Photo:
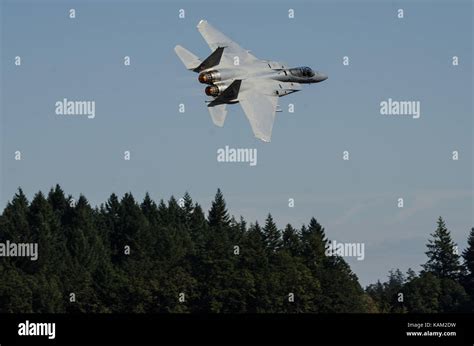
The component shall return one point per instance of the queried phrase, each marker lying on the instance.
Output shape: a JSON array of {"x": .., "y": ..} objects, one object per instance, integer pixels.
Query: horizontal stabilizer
[
  {"x": 228, "y": 94},
  {"x": 189, "y": 60},
  {"x": 212, "y": 60}
]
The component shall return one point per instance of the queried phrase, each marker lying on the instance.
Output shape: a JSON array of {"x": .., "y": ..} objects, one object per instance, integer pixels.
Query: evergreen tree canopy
[
  {"x": 443, "y": 259},
  {"x": 468, "y": 254},
  {"x": 126, "y": 256},
  {"x": 440, "y": 287},
  {"x": 218, "y": 215},
  {"x": 271, "y": 235}
]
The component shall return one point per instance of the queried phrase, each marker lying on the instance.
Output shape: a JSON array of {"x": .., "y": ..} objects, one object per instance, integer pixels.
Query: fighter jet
[{"x": 234, "y": 75}]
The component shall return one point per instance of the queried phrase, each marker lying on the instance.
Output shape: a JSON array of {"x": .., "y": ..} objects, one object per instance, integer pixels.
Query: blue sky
[{"x": 137, "y": 110}]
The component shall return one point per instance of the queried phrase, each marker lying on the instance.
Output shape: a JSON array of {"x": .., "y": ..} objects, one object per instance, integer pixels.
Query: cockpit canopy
[{"x": 302, "y": 72}]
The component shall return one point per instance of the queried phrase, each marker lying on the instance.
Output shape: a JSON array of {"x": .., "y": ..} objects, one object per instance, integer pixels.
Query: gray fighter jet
[{"x": 234, "y": 75}]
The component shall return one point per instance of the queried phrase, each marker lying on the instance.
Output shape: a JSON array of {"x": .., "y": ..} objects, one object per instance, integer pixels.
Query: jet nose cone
[{"x": 322, "y": 77}]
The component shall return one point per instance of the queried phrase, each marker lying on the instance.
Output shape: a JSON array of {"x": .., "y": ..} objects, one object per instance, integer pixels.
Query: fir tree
[
  {"x": 468, "y": 279},
  {"x": 271, "y": 235},
  {"x": 468, "y": 255},
  {"x": 443, "y": 260},
  {"x": 291, "y": 241},
  {"x": 218, "y": 215},
  {"x": 314, "y": 245},
  {"x": 150, "y": 209}
]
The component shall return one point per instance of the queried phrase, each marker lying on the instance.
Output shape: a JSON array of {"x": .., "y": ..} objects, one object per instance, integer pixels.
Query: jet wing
[
  {"x": 259, "y": 102},
  {"x": 216, "y": 39}
]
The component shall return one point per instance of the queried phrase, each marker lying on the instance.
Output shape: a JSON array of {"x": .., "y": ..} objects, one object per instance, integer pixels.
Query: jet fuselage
[{"x": 219, "y": 80}]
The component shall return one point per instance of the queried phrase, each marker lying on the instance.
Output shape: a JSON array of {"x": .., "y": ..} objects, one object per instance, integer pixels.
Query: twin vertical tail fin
[
  {"x": 189, "y": 60},
  {"x": 217, "y": 109},
  {"x": 192, "y": 62},
  {"x": 212, "y": 60}
]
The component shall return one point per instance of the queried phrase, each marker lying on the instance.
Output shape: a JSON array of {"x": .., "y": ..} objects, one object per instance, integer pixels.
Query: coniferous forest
[{"x": 146, "y": 257}]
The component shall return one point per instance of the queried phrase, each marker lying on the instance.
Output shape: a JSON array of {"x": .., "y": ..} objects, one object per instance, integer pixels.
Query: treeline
[
  {"x": 446, "y": 283},
  {"x": 130, "y": 256}
]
